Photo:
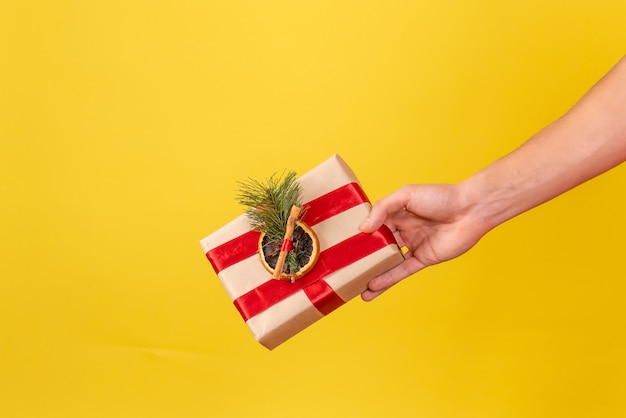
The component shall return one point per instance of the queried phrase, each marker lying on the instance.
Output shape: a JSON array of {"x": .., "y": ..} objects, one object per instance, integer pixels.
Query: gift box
[{"x": 276, "y": 310}]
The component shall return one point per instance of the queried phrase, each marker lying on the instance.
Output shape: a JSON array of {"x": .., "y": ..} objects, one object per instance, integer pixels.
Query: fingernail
[{"x": 366, "y": 223}]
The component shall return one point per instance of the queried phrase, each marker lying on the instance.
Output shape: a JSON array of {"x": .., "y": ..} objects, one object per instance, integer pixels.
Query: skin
[{"x": 438, "y": 222}]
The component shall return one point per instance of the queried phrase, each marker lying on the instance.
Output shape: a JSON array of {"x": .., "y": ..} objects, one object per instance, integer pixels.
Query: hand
[
  {"x": 431, "y": 221},
  {"x": 439, "y": 222}
]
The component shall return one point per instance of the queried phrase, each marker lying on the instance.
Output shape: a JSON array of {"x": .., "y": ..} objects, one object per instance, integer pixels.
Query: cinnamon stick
[{"x": 291, "y": 224}]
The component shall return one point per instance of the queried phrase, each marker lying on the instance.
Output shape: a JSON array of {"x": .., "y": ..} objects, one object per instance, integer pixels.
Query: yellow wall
[{"x": 125, "y": 125}]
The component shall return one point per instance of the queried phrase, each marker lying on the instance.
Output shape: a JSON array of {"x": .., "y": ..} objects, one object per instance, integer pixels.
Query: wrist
[{"x": 485, "y": 203}]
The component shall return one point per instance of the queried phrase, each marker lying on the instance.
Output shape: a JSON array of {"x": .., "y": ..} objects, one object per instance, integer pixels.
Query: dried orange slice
[{"x": 305, "y": 244}]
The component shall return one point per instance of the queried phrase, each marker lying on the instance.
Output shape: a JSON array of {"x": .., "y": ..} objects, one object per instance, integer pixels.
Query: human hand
[
  {"x": 432, "y": 221},
  {"x": 440, "y": 222}
]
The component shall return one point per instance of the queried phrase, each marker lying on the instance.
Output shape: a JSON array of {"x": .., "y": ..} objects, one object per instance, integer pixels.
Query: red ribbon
[
  {"x": 234, "y": 251},
  {"x": 286, "y": 246},
  {"x": 317, "y": 210},
  {"x": 332, "y": 259},
  {"x": 317, "y": 290}
]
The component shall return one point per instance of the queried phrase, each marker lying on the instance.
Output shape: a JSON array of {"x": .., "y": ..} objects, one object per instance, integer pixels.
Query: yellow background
[{"x": 125, "y": 125}]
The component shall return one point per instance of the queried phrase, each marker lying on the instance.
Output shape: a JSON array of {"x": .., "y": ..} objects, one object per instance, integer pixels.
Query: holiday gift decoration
[{"x": 297, "y": 253}]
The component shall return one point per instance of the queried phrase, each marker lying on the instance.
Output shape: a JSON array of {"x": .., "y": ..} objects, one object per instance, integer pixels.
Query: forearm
[{"x": 587, "y": 141}]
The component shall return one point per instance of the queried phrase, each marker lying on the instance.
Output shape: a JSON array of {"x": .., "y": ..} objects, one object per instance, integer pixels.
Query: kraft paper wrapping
[{"x": 287, "y": 317}]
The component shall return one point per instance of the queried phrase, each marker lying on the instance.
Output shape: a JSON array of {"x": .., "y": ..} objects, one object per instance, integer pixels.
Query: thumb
[
  {"x": 381, "y": 210},
  {"x": 369, "y": 225},
  {"x": 374, "y": 220}
]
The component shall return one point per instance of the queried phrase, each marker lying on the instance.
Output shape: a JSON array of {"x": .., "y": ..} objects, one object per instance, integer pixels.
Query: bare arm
[
  {"x": 587, "y": 141},
  {"x": 439, "y": 222}
]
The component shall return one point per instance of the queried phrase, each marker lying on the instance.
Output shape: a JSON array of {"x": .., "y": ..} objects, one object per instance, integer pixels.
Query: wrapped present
[{"x": 276, "y": 310}]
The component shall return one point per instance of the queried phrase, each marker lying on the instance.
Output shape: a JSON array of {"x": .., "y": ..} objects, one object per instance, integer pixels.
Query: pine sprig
[
  {"x": 269, "y": 203},
  {"x": 268, "y": 207}
]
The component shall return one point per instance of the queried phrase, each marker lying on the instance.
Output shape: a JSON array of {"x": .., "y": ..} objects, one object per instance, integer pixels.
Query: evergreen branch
[{"x": 269, "y": 203}]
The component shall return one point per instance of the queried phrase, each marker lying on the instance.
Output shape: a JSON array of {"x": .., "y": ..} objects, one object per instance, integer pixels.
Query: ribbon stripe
[
  {"x": 234, "y": 251},
  {"x": 333, "y": 203},
  {"x": 332, "y": 259},
  {"x": 318, "y": 210}
]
